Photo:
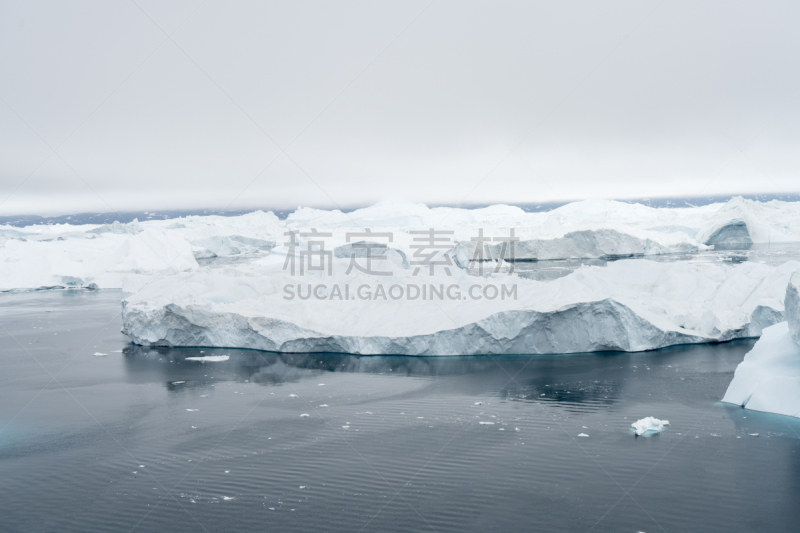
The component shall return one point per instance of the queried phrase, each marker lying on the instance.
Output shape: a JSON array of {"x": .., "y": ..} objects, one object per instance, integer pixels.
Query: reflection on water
[{"x": 576, "y": 383}]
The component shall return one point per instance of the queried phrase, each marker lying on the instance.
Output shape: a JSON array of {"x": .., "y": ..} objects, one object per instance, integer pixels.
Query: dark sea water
[{"x": 146, "y": 440}]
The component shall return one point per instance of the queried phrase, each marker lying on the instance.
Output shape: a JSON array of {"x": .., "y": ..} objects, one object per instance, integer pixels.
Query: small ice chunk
[
  {"x": 649, "y": 424},
  {"x": 582, "y": 435},
  {"x": 191, "y": 410},
  {"x": 178, "y": 382},
  {"x": 304, "y": 415},
  {"x": 324, "y": 405},
  {"x": 99, "y": 354},
  {"x": 293, "y": 396},
  {"x": 320, "y": 384},
  {"x": 478, "y": 403},
  {"x": 210, "y": 358},
  {"x": 486, "y": 423},
  {"x": 753, "y": 434}
]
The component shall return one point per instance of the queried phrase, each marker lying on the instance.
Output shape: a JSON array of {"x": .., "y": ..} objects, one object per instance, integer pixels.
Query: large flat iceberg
[{"x": 629, "y": 305}]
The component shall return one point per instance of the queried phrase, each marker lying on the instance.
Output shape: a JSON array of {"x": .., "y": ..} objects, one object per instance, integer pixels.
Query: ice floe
[{"x": 649, "y": 424}]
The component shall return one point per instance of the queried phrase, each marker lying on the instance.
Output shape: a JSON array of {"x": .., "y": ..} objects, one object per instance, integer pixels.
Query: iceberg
[
  {"x": 769, "y": 377},
  {"x": 628, "y": 305},
  {"x": 744, "y": 222},
  {"x": 589, "y": 244},
  {"x": 649, "y": 424}
]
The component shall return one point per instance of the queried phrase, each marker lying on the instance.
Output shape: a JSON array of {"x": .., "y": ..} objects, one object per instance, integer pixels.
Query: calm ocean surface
[{"x": 146, "y": 440}]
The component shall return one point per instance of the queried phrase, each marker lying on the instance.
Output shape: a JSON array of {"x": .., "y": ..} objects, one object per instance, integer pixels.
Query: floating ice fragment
[
  {"x": 753, "y": 434},
  {"x": 324, "y": 405},
  {"x": 346, "y": 427},
  {"x": 320, "y": 384},
  {"x": 190, "y": 410},
  {"x": 209, "y": 358},
  {"x": 226, "y": 498},
  {"x": 304, "y": 415},
  {"x": 99, "y": 354},
  {"x": 293, "y": 396},
  {"x": 486, "y": 423},
  {"x": 178, "y": 382},
  {"x": 649, "y": 424},
  {"x": 582, "y": 435},
  {"x": 478, "y": 403}
]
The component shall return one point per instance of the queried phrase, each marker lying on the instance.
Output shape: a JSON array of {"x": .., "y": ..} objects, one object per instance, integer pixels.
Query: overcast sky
[{"x": 123, "y": 105}]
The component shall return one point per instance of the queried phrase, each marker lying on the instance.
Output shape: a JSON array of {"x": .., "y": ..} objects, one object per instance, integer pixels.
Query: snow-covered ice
[{"x": 649, "y": 424}]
